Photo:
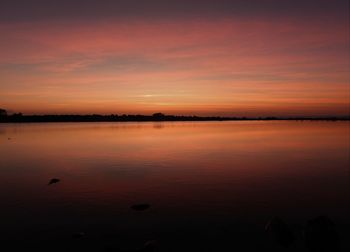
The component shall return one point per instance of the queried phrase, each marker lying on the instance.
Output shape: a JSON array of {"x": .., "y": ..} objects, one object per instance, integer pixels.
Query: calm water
[{"x": 212, "y": 186}]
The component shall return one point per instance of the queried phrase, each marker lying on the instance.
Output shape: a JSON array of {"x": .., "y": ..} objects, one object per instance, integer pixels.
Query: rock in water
[
  {"x": 140, "y": 207},
  {"x": 149, "y": 246},
  {"x": 78, "y": 235},
  {"x": 321, "y": 235},
  {"x": 280, "y": 232},
  {"x": 54, "y": 180}
]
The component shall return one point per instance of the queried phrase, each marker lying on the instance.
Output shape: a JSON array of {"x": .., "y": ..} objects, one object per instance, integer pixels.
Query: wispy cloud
[{"x": 195, "y": 63}]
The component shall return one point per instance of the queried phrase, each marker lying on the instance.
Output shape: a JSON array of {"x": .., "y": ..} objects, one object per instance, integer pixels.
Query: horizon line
[{"x": 19, "y": 117}]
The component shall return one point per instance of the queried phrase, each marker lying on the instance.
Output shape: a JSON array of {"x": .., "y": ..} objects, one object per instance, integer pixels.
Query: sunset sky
[{"x": 233, "y": 58}]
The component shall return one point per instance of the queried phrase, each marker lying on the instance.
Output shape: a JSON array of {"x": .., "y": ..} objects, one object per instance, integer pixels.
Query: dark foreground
[{"x": 229, "y": 236}]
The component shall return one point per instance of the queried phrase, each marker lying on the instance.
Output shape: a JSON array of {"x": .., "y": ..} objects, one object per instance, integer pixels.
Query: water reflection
[{"x": 212, "y": 180}]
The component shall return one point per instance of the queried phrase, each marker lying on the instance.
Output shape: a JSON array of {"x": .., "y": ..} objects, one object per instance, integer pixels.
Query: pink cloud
[{"x": 203, "y": 64}]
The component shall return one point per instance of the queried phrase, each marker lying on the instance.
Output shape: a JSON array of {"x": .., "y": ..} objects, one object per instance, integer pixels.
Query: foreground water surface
[{"x": 211, "y": 186}]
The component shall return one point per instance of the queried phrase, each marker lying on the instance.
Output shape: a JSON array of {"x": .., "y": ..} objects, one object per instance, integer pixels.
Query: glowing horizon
[{"x": 228, "y": 64}]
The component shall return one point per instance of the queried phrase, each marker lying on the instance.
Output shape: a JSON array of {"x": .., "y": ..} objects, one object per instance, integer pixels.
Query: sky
[{"x": 188, "y": 57}]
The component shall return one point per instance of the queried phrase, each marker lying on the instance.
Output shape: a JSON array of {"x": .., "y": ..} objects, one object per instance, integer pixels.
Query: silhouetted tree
[
  {"x": 158, "y": 115},
  {"x": 3, "y": 112},
  {"x": 17, "y": 115}
]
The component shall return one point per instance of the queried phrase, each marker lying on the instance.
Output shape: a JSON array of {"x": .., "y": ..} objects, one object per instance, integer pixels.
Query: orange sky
[{"x": 229, "y": 65}]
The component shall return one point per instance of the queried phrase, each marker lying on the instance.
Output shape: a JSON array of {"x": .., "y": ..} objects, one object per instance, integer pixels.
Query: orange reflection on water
[
  {"x": 133, "y": 156},
  {"x": 190, "y": 172}
]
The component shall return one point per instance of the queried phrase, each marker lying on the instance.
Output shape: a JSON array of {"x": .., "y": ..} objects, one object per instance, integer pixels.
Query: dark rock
[
  {"x": 280, "y": 232},
  {"x": 140, "y": 207},
  {"x": 149, "y": 246},
  {"x": 54, "y": 180},
  {"x": 321, "y": 235},
  {"x": 78, "y": 235}
]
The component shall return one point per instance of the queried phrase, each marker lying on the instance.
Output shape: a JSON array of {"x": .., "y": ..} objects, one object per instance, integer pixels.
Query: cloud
[{"x": 194, "y": 63}]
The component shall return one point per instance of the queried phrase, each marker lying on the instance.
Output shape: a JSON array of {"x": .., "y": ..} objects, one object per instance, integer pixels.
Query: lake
[{"x": 211, "y": 186}]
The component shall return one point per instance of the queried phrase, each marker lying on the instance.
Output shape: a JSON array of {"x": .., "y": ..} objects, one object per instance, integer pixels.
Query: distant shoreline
[{"x": 158, "y": 117}]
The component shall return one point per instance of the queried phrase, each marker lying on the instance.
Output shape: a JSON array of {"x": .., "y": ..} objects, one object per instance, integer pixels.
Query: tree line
[{"x": 19, "y": 117}]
